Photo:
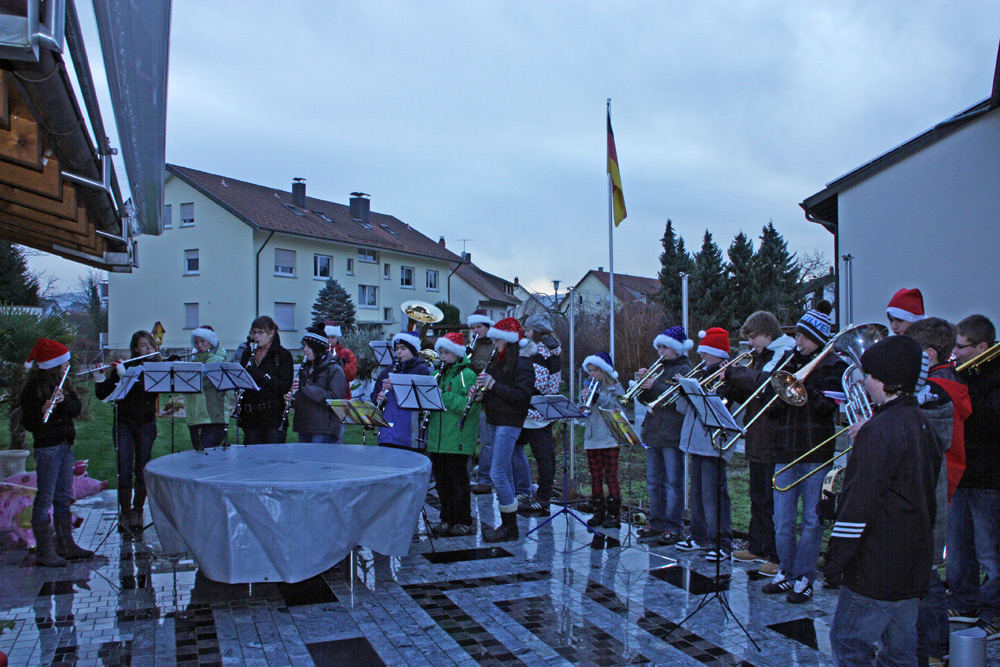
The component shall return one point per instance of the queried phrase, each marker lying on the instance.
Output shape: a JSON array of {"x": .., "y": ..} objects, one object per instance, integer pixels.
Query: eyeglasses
[
  {"x": 959, "y": 346},
  {"x": 257, "y": 332}
]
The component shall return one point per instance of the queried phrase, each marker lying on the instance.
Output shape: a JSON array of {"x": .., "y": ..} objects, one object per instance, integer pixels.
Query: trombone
[
  {"x": 984, "y": 357},
  {"x": 711, "y": 386},
  {"x": 859, "y": 405},
  {"x": 653, "y": 372},
  {"x": 763, "y": 385}
]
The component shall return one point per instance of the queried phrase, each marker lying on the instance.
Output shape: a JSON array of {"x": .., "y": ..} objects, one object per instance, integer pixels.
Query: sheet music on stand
[
  {"x": 416, "y": 392},
  {"x": 125, "y": 384},
  {"x": 357, "y": 411},
  {"x": 383, "y": 352},
  {"x": 621, "y": 429},
  {"x": 179, "y": 377},
  {"x": 711, "y": 410},
  {"x": 228, "y": 375},
  {"x": 556, "y": 406}
]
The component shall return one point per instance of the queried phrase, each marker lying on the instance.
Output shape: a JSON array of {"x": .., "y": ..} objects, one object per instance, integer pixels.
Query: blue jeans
[
  {"x": 54, "y": 475},
  {"x": 521, "y": 471},
  {"x": 798, "y": 559},
  {"x": 705, "y": 477},
  {"x": 933, "y": 630},
  {"x": 485, "y": 451},
  {"x": 135, "y": 448},
  {"x": 861, "y": 621},
  {"x": 974, "y": 545},
  {"x": 319, "y": 438},
  {"x": 501, "y": 473},
  {"x": 665, "y": 481},
  {"x": 261, "y": 436},
  {"x": 204, "y": 436}
]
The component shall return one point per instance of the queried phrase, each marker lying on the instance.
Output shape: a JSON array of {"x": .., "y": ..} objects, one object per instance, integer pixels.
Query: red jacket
[{"x": 944, "y": 376}]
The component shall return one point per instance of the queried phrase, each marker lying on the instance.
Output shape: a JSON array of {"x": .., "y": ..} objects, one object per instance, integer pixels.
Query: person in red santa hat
[
  {"x": 905, "y": 307},
  {"x": 506, "y": 389},
  {"x": 48, "y": 407}
]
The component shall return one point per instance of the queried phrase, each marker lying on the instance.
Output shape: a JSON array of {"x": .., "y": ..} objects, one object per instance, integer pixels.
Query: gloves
[
  {"x": 827, "y": 506},
  {"x": 100, "y": 376}
]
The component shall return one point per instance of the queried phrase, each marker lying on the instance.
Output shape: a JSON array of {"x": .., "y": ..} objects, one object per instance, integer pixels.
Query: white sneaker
[
  {"x": 687, "y": 545},
  {"x": 712, "y": 555},
  {"x": 779, "y": 584}
]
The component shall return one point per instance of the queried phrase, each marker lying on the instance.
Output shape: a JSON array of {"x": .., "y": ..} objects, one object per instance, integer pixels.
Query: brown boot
[
  {"x": 45, "y": 553},
  {"x": 65, "y": 546},
  {"x": 505, "y": 532}
]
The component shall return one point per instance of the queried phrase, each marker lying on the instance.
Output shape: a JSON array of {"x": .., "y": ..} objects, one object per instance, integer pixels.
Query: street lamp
[{"x": 555, "y": 304}]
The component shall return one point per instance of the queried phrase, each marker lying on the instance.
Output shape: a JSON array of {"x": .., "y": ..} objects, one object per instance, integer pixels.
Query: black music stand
[
  {"x": 560, "y": 408},
  {"x": 714, "y": 415},
  {"x": 358, "y": 411},
  {"x": 417, "y": 392},
  {"x": 172, "y": 377},
  {"x": 383, "y": 352},
  {"x": 229, "y": 376}
]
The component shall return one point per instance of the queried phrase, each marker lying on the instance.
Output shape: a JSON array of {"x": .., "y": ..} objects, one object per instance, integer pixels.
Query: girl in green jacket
[
  {"x": 206, "y": 412},
  {"x": 448, "y": 446}
]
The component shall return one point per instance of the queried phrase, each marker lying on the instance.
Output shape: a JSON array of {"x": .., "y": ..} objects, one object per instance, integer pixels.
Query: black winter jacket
[
  {"x": 507, "y": 402},
  {"x": 662, "y": 425},
  {"x": 982, "y": 429},
  {"x": 138, "y": 406},
  {"x": 317, "y": 383},
  {"x": 882, "y": 542},
  {"x": 263, "y": 409},
  {"x": 59, "y": 428}
]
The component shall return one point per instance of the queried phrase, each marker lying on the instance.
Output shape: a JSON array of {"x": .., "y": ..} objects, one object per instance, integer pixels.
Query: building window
[
  {"x": 406, "y": 277},
  {"x": 350, "y": 266},
  {"x": 191, "y": 264},
  {"x": 367, "y": 296},
  {"x": 168, "y": 216},
  {"x": 191, "y": 318},
  {"x": 367, "y": 256},
  {"x": 388, "y": 229},
  {"x": 294, "y": 210},
  {"x": 284, "y": 262},
  {"x": 432, "y": 280},
  {"x": 387, "y": 271},
  {"x": 187, "y": 215},
  {"x": 322, "y": 267},
  {"x": 387, "y": 314},
  {"x": 284, "y": 316},
  {"x": 322, "y": 215}
]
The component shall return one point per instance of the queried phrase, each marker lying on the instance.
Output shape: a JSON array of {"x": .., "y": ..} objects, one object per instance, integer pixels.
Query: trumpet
[
  {"x": 710, "y": 383},
  {"x": 52, "y": 405},
  {"x": 594, "y": 388},
  {"x": 653, "y": 372},
  {"x": 674, "y": 392}
]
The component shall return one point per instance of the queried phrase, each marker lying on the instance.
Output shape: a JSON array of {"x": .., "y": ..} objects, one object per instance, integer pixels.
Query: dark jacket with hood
[
  {"x": 402, "y": 433},
  {"x": 319, "y": 381},
  {"x": 59, "y": 428},
  {"x": 507, "y": 402},
  {"x": 662, "y": 425},
  {"x": 264, "y": 409},
  {"x": 138, "y": 407}
]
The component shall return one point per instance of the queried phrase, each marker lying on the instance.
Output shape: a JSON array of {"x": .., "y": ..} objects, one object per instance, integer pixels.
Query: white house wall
[{"x": 929, "y": 222}]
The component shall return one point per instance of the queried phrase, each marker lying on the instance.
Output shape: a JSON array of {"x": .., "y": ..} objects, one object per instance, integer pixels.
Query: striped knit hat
[{"x": 815, "y": 324}]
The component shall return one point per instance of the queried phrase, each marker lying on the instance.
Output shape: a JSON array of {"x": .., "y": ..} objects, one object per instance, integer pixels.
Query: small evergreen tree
[
  {"x": 777, "y": 276},
  {"x": 741, "y": 298},
  {"x": 707, "y": 286},
  {"x": 18, "y": 287},
  {"x": 674, "y": 260},
  {"x": 334, "y": 303},
  {"x": 452, "y": 315}
]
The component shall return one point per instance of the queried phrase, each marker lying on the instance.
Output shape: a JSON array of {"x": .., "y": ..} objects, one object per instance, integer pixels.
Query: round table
[{"x": 285, "y": 512}]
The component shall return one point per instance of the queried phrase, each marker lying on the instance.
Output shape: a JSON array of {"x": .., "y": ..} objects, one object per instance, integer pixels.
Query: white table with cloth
[{"x": 285, "y": 512}]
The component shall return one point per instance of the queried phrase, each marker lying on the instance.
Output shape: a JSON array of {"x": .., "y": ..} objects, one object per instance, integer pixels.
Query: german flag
[{"x": 617, "y": 198}]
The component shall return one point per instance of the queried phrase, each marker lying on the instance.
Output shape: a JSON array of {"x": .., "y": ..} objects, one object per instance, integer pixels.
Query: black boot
[
  {"x": 613, "y": 517},
  {"x": 506, "y": 532},
  {"x": 138, "y": 504},
  {"x": 45, "y": 553},
  {"x": 124, "y": 508},
  {"x": 598, "y": 518},
  {"x": 65, "y": 546}
]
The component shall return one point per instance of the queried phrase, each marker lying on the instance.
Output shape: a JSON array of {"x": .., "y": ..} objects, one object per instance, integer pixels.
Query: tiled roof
[
  {"x": 629, "y": 288},
  {"x": 264, "y": 208},
  {"x": 486, "y": 284}
]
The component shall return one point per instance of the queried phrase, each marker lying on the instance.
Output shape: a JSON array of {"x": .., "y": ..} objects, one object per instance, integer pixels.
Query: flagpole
[{"x": 611, "y": 246}]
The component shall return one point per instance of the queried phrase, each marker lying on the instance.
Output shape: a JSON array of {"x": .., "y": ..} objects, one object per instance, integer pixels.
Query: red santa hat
[
  {"x": 508, "y": 329},
  {"x": 453, "y": 342},
  {"x": 47, "y": 354},
  {"x": 714, "y": 341},
  {"x": 906, "y": 305},
  {"x": 479, "y": 317},
  {"x": 332, "y": 329}
]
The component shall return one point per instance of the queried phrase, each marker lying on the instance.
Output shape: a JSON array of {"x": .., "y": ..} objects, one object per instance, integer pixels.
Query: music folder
[{"x": 357, "y": 411}]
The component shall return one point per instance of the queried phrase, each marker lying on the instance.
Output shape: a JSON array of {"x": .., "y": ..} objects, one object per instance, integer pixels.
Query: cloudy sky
[{"x": 485, "y": 120}]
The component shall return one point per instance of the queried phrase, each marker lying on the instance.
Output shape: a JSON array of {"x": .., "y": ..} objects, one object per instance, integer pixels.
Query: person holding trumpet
[
  {"x": 661, "y": 432},
  {"x": 600, "y": 445},
  {"x": 799, "y": 430},
  {"x": 48, "y": 408}
]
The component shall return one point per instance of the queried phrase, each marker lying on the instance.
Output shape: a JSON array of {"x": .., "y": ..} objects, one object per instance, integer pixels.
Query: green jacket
[
  {"x": 443, "y": 436},
  {"x": 208, "y": 407}
]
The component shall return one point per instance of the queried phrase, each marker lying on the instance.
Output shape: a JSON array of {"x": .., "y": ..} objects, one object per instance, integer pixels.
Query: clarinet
[
  {"x": 288, "y": 401},
  {"x": 239, "y": 392},
  {"x": 475, "y": 392},
  {"x": 385, "y": 397},
  {"x": 422, "y": 431}
]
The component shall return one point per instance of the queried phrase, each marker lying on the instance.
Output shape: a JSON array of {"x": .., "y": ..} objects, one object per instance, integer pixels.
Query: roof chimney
[
  {"x": 441, "y": 242},
  {"x": 360, "y": 207},
  {"x": 600, "y": 269},
  {"x": 299, "y": 192},
  {"x": 467, "y": 256}
]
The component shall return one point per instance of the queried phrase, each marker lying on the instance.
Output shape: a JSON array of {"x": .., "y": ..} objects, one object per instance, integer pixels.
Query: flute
[
  {"x": 52, "y": 404},
  {"x": 104, "y": 368}
]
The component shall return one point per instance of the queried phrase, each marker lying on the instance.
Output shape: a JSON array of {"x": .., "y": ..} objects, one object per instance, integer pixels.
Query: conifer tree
[
  {"x": 334, "y": 303},
  {"x": 674, "y": 260},
  {"x": 778, "y": 276},
  {"x": 741, "y": 298},
  {"x": 18, "y": 286},
  {"x": 707, "y": 288}
]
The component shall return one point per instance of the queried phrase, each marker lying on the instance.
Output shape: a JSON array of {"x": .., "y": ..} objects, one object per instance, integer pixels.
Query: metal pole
[
  {"x": 849, "y": 279},
  {"x": 684, "y": 320},
  {"x": 572, "y": 385}
]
